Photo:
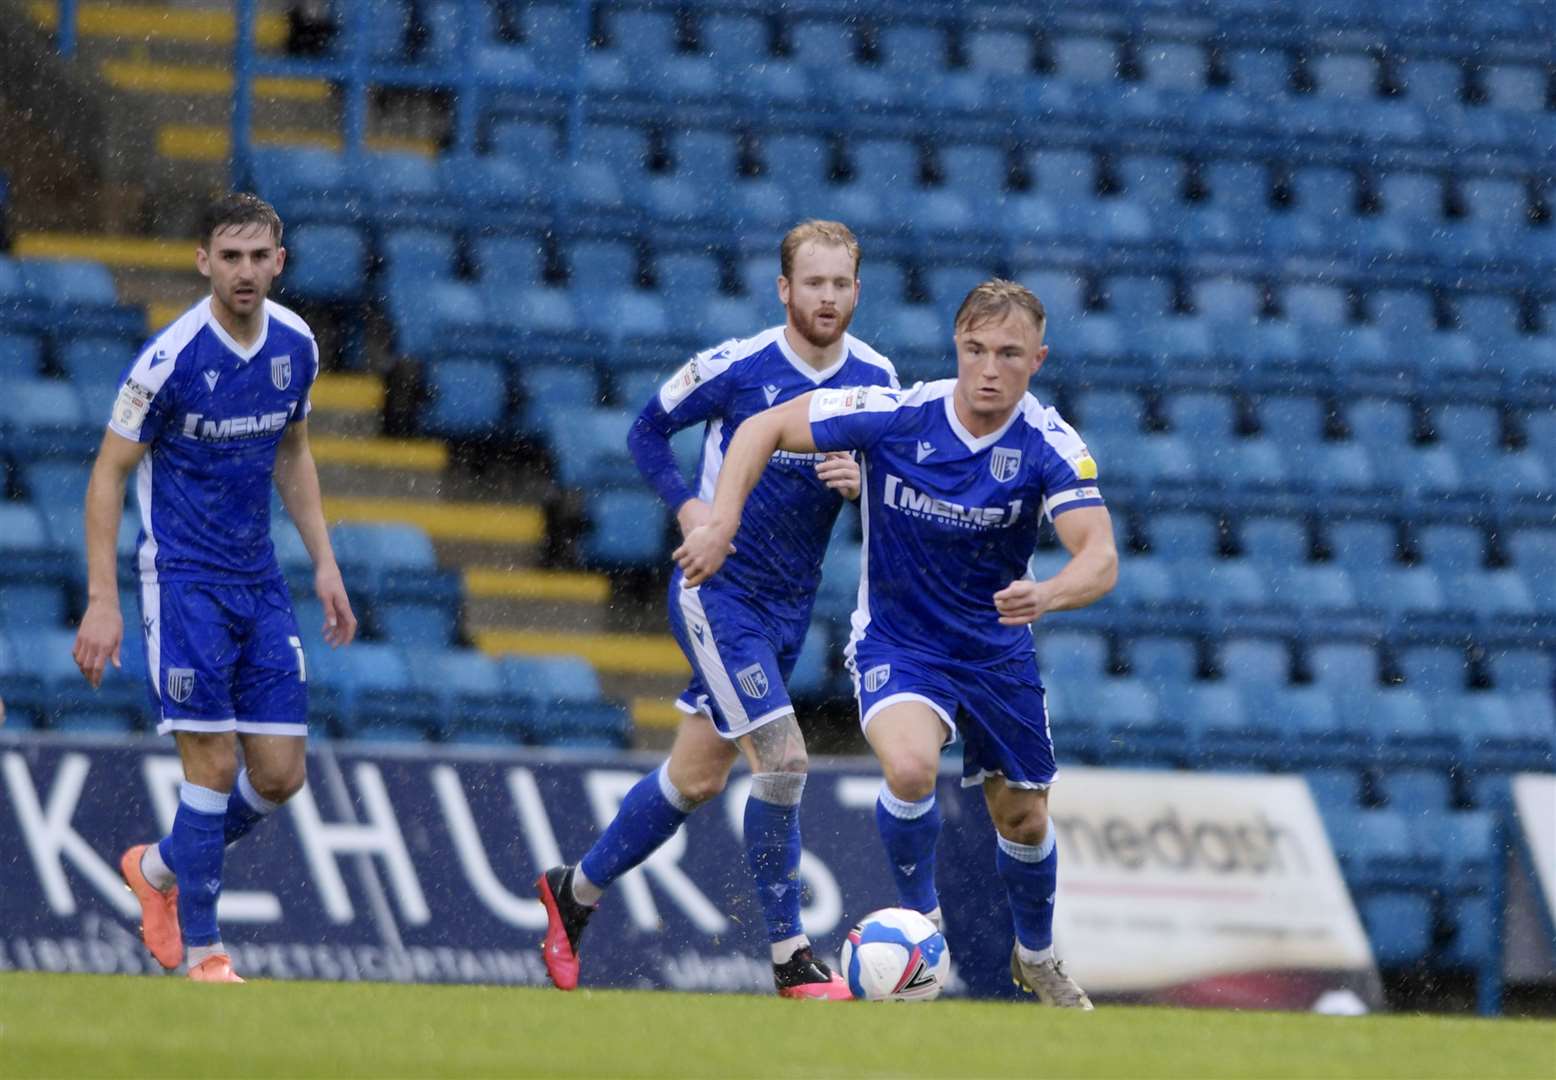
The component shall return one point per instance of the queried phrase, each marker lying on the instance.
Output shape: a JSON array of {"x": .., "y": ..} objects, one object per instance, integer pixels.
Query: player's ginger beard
[{"x": 820, "y": 271}]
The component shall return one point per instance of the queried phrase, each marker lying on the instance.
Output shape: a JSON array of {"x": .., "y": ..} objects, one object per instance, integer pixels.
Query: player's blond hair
[
  {"x": 993, "y": 300},
  {"x": 816, "y": 231}
]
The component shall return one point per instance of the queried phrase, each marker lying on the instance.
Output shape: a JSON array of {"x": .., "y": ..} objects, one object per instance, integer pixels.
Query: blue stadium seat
[
  {"x": 1385, "y": 425},
  {"x": 1254, "y": 662},
  {"x": 1063, "y": 293},
  {"x": 1363, "y": 545},
  {"x": 1408, "y": 310},
  {"x": 1399, "y": 927},
  {"x": 801, "y": 162},
  {"x": 812, "y": 677},
  {"x": 1274, "y": 541},
  {"x": 1227, "y": 299},
  {"x": 1518, "y": 669},
  {"x": 1430, "y": 81},
  {"x": 552, "y": 389},
  {"x": 1315, "y": 587},
  {"x": 622, "y": 530},
  {"x": 435, "y": 315},
  {"x": 974, "y": 168},
  {"x": 92, "y": 360},
  {"x": 380, "y": 699},
  {"x": 1132, "y": 725},
  {"x": 1517, "y": 86},
  {"x": 26, "y": 607},
  {"x": 949, "y": 285},
  {"x": 553, "y": 29},
  {"x": 45, "y": 419},
  {"x": 1489, "y": 314},
  {"x": 998, "y": 51},
  {"x": 1239, "y": 187},
  {"x": 522, "y": 141},
  {"x": 883, "y": 281},
  {"x": 1174, "y": 65},
  {"x": 469, "y": 399},
  {"x": 68, "y": 282},
  {"x": 725, "y": 317},
  {"x": 1501, "y": 732},
  {"x": 1296, "y": 419},
  {"x": 21, "y": 355},
  {"x": 1496, "y": 202},
  {"x": 1335, "y": 789},
  {"x": 1345, "y": 75},
  {"x": 1224, "y": 732},
  {"x": 1325, "y": 191},
  {"x": 707, "y": 157},
  {"x": 1164, "y": 458},
  {"x": 1413, "y": 196},
  {"x": 1311, "y": 303},
  {"x": 1343, "y": 467},
  {"x": 325, "y": 263},
  {"x": 572, "y": 709},
  {"x": 1159, "y": 660},
  {"x": 1260, "y": 73},
  {"x": 419, "y": 254},
  {"x": 1494, "y": 593},
  {"x": 1185, "y": 535},
  {"x": 1433, "y": 669},
  {"x": 1083, "y": 58},
  {"x": 1343, "y": 665},
  {"x": 1107, "y": 411},
  {"x": 416, "y": 626},
  {"x": 516, "y": 176},
  {"x": 514, "y": 261},
  {"x": 647, "y": 36},
  {"x": 1133, "y": 297},
  {"x": 1148, "y": 581},
  {"x": 686, "y": 276},
  {"x": 1451, "y": 549},
  {"x": 1063, "y": 176},
  {"x": 472, "y": 693},
  {"x": 1416, "y": 791},
  {"x": 589, "y": 448},
  {"x": 1202, "y": 415},
  {"x": 885, "y": 164},
  {"x": 839, "y": 589},
  {"x": 1076, "y": 654},
  {"x": 735, "y": 37}
]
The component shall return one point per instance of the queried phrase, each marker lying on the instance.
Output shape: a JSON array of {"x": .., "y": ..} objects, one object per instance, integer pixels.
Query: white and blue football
[{"x": 895, "y": 955}]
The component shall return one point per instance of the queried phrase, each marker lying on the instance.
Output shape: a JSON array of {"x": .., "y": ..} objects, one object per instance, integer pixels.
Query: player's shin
[
  {"x": 772, "y": 835},
  {"x": 1030, "y": 873},
  {"x": 246, "y": 808},
  {"x": 909, "y": 831},
  {"x": 649, "y": 816},
  {"x": 196, "y": 846}
]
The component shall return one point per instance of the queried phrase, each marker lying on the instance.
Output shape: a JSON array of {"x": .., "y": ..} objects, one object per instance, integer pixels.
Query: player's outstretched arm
[
  {"x": 1087, "y": 534},
  {"x": 102, "y": 627},
  {"x": 783, "y": 427},
  {"x": 297, "y": 478}
]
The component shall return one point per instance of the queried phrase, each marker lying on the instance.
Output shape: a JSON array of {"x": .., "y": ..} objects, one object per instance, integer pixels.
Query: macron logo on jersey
[
  {"x": 235, "y": 427},
  {"x": 925, "y": 448},
  {"x": 899, "y": 496}
]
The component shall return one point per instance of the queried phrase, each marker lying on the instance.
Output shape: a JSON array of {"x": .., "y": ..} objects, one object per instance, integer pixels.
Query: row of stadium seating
[{"x": 1171, "y": 43}]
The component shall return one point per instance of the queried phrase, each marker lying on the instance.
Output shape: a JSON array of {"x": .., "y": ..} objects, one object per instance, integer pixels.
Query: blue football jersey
[
  {"x": 949, "y": 519},
  {"x": 788, "y": 519},
  {"x": 213, "y": 413}
]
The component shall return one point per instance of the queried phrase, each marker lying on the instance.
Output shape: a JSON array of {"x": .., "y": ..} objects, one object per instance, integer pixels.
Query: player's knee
[
  {"x": 1023, "y": 824},
  {"x": 700, "y": 788},
  {"x": 909, "y": 776},
  {"x": 278, "y": 784}
]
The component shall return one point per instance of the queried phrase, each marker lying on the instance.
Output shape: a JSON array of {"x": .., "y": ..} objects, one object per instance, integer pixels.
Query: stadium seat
[
  {"x": 1399, "y": 927},
  {"x": 1524, "y": 87},
  {"x": 1416, "y": 791},
  {"x": 1254, "y": 662},
  {"x": 1185, "y": 536},
  {"x": 1433, "y": 668},
  {"x": 1518, "y": 669},
  {"x": 1072, "y": 654},
  {"x": 326, "y": 263},
  {"x": 1345, "y": 75},
  {"x": 469, "y": 399},
  {"x": 1160, "y": 660},
  {"x": 1260, "y": 73},
  {"x": 1274, "y": 541},
  {"x": 812, "y": 677},
  {"x": 622, "y": 532},
  {"x": 1343, "y": 665},
  {"x": 1336, "y": 790}
]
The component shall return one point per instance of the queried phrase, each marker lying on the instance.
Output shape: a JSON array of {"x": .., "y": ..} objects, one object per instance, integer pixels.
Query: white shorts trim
[
  {"x": 988, "y": 774},
  {"x": 751, "y": 725},
  {"x": 259, "y": 727},
  {"x": 897, "y": 699},
  {"x": 204, "y": 727}
]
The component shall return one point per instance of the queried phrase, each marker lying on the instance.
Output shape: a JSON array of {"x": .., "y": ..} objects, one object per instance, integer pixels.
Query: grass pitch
[{"x": 80, "y": 1025}]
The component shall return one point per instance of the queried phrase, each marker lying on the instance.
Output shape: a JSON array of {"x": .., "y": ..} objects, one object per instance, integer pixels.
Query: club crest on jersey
[
  {"x": 281, "y": 371},
  {"x": 876, "y": 678},
  {"x": 1005, "y": 463},
  {"x": 180, "y": 683},
  {"x": 753, "y": 680}
]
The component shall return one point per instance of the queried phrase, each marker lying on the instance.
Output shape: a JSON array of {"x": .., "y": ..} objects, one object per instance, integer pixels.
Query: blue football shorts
[
  {"x": 224, "y": 658},
  {"x": 1000, "y": 710},
  {"x": 742, "y": 651}
]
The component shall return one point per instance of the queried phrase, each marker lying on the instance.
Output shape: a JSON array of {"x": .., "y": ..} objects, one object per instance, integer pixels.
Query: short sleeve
[
  {"x": 852, "y": 417},
  {"x": 146, "y": 396},
  {"x": 305, "y": 405},
  {"x": 701, "y": 388},
  {"x": 1069, "y": 470}
]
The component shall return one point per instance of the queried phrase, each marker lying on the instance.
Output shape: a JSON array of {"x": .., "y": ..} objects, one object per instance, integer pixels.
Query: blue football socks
[
  {"x": 772, "y": 833},
  {"x": 909, "y": 831},
  {"x": 649, "y": 816},
  {"x": 194, "y": 850},
  {"x": 245, "y": 809},
  {"x": 1031, "y": 874}
]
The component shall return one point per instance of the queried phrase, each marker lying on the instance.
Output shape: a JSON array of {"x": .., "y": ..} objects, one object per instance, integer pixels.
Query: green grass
[{"x": 80, "y": 1025}]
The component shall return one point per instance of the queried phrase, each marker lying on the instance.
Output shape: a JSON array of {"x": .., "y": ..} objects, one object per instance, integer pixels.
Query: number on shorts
[{"x": 302, "y": 664}]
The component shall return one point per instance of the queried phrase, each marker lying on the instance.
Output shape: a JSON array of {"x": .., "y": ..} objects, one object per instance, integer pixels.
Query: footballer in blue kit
[
  {"x": 211, "y": 413},
  {"x": 742, "y": 633},
  {"x": 956, "y": 477}
]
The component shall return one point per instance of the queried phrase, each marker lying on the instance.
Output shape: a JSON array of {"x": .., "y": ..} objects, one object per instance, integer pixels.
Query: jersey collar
[
  {"x": 242, "y": 353},
  {"x": 969, "y": 440},
  {"x": 815, "y": 376}
]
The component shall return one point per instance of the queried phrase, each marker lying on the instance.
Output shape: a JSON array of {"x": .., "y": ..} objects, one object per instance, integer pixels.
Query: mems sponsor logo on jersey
[
  {"x": 909, "y": 500},
  {"x": 198, "y": 426}
]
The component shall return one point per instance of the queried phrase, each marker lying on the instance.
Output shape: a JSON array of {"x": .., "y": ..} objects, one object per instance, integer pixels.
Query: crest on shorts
[
  {"x": 876, "y": 677},
  {"x": 753, "y": 680},
  {"x": 1004, "y": 463},
  {"x": 180, "y": 683},
  {"x": 281, "y": 371}
]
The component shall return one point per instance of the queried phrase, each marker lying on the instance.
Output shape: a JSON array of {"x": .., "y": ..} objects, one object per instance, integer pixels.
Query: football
[{"x": 895, "y": 955}]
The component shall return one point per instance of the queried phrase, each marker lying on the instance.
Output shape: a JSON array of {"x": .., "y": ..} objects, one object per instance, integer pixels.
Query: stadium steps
[
  {"x": 632, "y": 654},
  {"x": 154, "y": 24},
  {"x": 211, "y": 143}
]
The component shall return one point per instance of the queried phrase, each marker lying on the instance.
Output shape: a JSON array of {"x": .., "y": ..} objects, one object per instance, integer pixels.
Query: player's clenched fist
[
  {"x": 840, "y": 472},
  {"x": 97, "y": 641},
  {"x": 702, "y": 553},
  {"x": 1021, "y": 602}
]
